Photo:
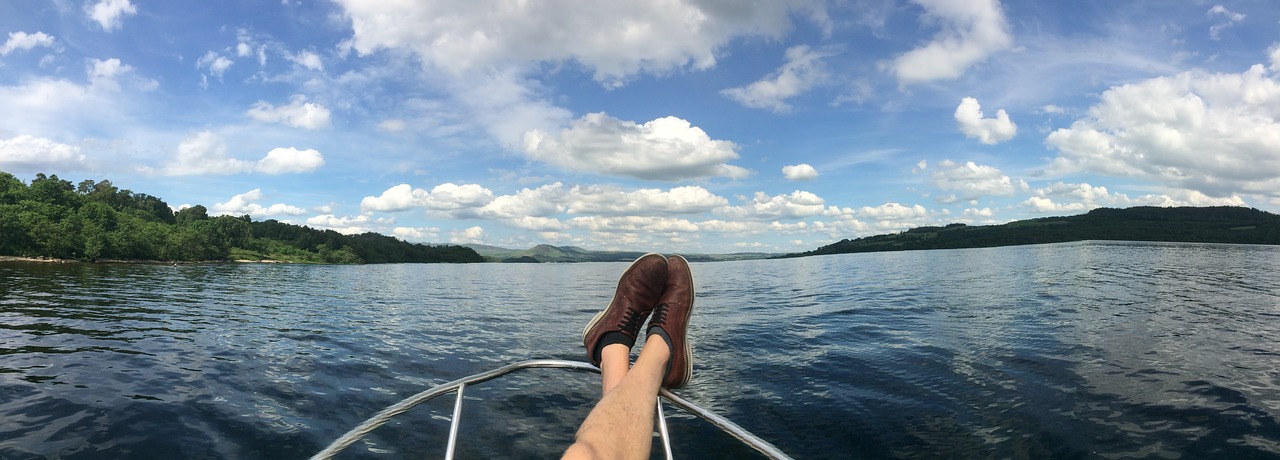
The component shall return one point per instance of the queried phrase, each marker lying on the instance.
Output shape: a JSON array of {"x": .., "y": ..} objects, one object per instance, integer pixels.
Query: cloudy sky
[{"x": 669, "y": 125}]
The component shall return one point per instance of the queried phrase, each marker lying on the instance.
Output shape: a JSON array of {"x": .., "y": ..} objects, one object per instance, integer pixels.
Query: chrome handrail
[{"x": 459, "y": 385}]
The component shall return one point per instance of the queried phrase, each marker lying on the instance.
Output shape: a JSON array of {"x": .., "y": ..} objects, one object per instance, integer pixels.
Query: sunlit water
[{"x": 1085, "y": 350}]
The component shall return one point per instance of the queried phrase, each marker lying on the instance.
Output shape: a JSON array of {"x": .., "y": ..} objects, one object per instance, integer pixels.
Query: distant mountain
[
  {"x": 548, "y": 254},
  {"x": 1219, "y": 224}
]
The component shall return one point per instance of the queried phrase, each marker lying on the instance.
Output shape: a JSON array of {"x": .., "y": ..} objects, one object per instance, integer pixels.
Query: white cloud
[
  {"x": 467, "y": 235},
  {"x": 398, "y": 198},
  {"x": 614, "y": 224},
  {"x": 444, "y": 197},
  {"x": 1053, "y": 109},
  {"x": 976, "y": 213},
  {"x": 802, "y": 71},
  {"x": 216, "y": 63},
  {"x": 308, "y": 59},
  {"x": 282, "y": 160},
  {"x": 1231, "y": 18},
  {"x": 971, "y": 31},
  {"x": 27, "y": 153},
  {"x": 416, "y": 233},
  {"x": 986, "y": 130},
  {"x": 761, "y": 206},
  {"x": 1068, "y": 197},
  {"x": 667, "y": 149},
  {"x": 1213, "y": 133},
  {"x": 247, "y": 203},
  {"x": 110, "y": 13},
  {"x": 448, "y": 196},
  {"x": 25, "y": 42},
  {"x": 347, "y": 225},
  {"x": 799, "y": 172},
  {"x": 613, "y": 39},
  {"x": 65, "y": 109},
  {"x": 205, "y": 153},
  {"x": 110, "y": 74},
  {"x": 298, "y": 113},
  {"x": 970, "y": 181},
  {"x": 894, "y": 211},
  {"x": 613, "y": 201}
]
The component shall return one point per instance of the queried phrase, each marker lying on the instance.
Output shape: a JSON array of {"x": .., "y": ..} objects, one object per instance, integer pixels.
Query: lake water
[{"x": 1081, "y": 350}]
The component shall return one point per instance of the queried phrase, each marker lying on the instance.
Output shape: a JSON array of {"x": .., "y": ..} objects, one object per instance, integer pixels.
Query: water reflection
[{"x": 1054, "y": 351}]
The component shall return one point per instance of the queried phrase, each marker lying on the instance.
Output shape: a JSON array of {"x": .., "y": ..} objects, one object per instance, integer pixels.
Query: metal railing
[{"x": 460, "y": 385}]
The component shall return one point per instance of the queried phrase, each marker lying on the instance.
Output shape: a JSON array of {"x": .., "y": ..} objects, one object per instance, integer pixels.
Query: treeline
[
  {"x": 1218, "y": 224},
  {"x": 92, "y": 221}
]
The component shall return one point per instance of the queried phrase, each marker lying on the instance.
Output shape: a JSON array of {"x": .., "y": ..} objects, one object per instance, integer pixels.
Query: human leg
[{"x": 620, "y": 426}]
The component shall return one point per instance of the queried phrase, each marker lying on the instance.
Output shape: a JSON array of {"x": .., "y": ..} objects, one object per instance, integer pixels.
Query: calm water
[{"x": 1085, "y": 350}]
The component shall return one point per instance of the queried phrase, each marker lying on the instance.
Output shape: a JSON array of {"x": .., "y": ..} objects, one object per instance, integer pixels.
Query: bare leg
[
  {"x": 615, "y": 361},
  {"x": 621, "y": 424}
]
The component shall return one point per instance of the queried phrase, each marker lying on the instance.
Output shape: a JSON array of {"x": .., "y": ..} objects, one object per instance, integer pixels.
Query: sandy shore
[{"x": 47, "y": 260}]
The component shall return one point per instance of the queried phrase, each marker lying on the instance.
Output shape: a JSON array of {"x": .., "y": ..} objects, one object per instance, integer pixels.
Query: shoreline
[{"x": 51, "y": 260}]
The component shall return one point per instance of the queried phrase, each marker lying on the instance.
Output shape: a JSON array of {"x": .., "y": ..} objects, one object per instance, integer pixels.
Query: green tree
[
  {"x": 191, "y": 215},
  {"x": 97, "y": 221}
]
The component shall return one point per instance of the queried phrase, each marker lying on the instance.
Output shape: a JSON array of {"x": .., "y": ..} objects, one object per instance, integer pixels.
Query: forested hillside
[
  {"x": 1218, "y": 224},
  {"x": 52, "y": 217}
]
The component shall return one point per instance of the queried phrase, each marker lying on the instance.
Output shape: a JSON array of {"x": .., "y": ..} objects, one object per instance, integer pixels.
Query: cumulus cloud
[
  {"x": 113, "y": 75},
  {"x": 348, "y": 225},
  {"x": 27, "y": 153},
  {"x": 1067, "y": 197},
  {"x": 971, "y": 31},
  {"x": 799, "y": 172},
  {"x": 665, "y": 149},
  {"x": 444, "y": 197},
  {"x": 613, "y": 40},
  {"x": 761, "y": 206},
  {"x": 206, "y": 154},
  {"x": 467, "y": 236},
  {"x": 110, "y": 13},
  {"x": 970, "y": 181},
  {"x": 282, "y": 160},
  {"x": 416, "y": 233},
  {"x": 614, "y": 201},
  {"x": 22, "y": 41},
  {"x": 986, "y": 130},
  {"x": 298, "y": 113},
  {"x": 1216, "y": 133},
  {"x": 894, "y": 211},
  {"x": 803, "y": 70},
  {"x": 308, "y": 59},
  {"x": 247, "y": 203},
  {"x": 1229, "y": 18},
  {"x": 215, "y": 63}
]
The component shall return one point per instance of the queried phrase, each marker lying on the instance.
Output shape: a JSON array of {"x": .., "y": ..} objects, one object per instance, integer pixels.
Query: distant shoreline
[{"x": 51, "y": 260}]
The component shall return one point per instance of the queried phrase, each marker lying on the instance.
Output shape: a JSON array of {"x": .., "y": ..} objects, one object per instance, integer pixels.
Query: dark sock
[
  {"x": 610, "y": 338},
  {"x": 660, "y": 332}
]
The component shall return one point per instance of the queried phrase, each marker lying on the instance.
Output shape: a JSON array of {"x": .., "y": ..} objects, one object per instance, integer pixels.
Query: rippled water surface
[{"x": 1083, "y": 350}]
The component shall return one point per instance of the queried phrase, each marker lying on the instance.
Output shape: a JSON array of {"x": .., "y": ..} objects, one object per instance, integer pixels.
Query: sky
[{"x": 702, "y": 126}]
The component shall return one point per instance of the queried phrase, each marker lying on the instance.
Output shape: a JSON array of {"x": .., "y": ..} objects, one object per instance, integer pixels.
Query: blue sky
[{"x": 672, "y": 125}]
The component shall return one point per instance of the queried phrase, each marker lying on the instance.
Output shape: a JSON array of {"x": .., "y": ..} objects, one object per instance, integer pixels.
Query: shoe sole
[
  {"x": 688, "y": 345},
  {"x": 599, "y": 316}
]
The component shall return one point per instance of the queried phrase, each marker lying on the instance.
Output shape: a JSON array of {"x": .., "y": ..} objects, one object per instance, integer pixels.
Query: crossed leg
[{"x": 621, "y": 424}]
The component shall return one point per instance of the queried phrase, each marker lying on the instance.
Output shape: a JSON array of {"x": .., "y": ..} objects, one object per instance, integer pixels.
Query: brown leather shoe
[
  {"x": 671, "y": 321},
  {"x": 637, "y": 293}
]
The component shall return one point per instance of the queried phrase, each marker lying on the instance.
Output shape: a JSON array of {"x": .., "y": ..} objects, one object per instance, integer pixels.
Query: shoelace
[
  {"x": 631, "y": 322},
  {"x": 659, "y": 315}
]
